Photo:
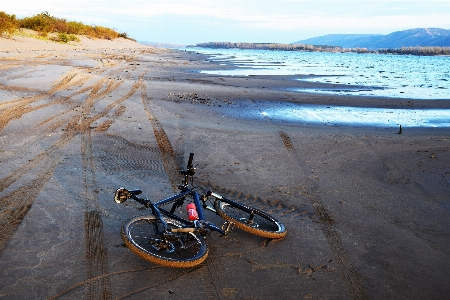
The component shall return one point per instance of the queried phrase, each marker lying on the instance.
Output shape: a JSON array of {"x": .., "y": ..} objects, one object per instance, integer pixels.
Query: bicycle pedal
[
  {"x": 121, "y": 195},
  {"x": 227, "y": 226}
]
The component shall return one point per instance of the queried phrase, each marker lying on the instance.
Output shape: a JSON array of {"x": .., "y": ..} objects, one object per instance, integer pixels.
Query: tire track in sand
[
  {"x": 15, "y": 205},
  {"x": 165, "y": 147},
  {"x": 76, "y": 124},
  {"x": 286, "y": 140},
  {"x": 352, "y": 280},
  {"x": 96, "y": 255},
  {"x": 52, "y": 123},
  {"x": 23, "y": 106}
]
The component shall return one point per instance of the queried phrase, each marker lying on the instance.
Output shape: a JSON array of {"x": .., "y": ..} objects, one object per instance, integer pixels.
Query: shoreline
[
  {"x": 366, "y": 209},
  {"x": 278, "y": 88},
  {"x": 290, "y": 65}
]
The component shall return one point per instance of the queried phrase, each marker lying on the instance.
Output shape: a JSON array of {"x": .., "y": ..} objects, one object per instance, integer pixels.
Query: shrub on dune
[
  {"x": 44, "y": 23},
  {"x": 8, "y": 23}
]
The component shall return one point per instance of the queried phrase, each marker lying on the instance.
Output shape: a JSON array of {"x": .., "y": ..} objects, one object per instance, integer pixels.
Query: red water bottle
[{"x": 192, "y": 212}]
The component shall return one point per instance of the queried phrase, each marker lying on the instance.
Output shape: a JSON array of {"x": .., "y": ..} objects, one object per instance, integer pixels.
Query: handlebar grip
[{"x": 191, "y": 157}]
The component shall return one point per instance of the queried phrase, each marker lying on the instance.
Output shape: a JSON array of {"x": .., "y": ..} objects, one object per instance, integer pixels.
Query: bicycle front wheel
[
  {"x": 250, "y": 219},
  {"x": 145, "y": 236}
]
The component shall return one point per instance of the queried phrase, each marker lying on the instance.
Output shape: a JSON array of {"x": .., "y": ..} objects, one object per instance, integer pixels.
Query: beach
[{"x": 366, "y": 208}]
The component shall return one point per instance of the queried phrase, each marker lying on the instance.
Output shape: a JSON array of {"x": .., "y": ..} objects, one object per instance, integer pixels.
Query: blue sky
[{"x": 279, "y": 21}]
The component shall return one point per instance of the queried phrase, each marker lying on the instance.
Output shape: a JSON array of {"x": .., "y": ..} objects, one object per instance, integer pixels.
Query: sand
[{"x": 367, "y": 209}]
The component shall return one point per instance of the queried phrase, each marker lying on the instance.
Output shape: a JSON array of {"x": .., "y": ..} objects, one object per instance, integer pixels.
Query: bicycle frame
[{"x": 177, "y": 200}]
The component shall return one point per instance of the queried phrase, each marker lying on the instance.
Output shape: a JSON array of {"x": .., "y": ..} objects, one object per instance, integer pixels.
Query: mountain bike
[{"x": 173, "y": 235}]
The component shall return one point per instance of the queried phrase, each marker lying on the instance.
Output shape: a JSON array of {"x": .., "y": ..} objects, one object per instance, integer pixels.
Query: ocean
[{"x": 380, "y": 75}]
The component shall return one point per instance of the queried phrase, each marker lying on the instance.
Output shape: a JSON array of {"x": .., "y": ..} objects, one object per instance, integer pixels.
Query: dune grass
[{"x": 63, "y": 31}]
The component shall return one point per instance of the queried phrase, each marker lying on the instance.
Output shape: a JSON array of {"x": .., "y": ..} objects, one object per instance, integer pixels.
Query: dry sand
[{"x": 367, "y": 209}]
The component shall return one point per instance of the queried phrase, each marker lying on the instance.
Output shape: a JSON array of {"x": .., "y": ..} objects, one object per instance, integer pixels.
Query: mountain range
[{"x": 419, "y": 37}]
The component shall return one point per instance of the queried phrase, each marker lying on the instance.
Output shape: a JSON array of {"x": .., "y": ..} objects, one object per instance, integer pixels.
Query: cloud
[
  {"x": 298, "y": 14},
  {"x": 227, "y": 9}
]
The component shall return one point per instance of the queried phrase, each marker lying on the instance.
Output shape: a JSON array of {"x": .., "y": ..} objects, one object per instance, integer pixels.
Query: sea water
[{"x": 380, "y": 75}]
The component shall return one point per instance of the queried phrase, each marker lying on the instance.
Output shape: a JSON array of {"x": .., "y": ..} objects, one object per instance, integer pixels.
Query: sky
[{"x": 188, "y": 22}]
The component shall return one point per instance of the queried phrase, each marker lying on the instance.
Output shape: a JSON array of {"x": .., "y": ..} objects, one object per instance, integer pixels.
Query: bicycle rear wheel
[
  {"x": 256, "y": 221},
  {"x": 145, "y": 236}
]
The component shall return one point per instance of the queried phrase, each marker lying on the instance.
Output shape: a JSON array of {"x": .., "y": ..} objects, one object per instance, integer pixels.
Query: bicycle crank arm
[{"x": 123, "y": 194}]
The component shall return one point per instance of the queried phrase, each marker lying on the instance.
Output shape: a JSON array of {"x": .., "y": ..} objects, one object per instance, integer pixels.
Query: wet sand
[{"x": 367, "y": 209}]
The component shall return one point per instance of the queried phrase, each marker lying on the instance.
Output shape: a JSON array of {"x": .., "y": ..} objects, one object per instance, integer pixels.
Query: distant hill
[{"x": 408, "y": 38}]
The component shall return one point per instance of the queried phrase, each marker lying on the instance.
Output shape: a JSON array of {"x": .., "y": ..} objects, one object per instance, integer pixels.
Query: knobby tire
[
  {"x": 262, "y": 224},
  {"x": 141, "y": 234}
]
